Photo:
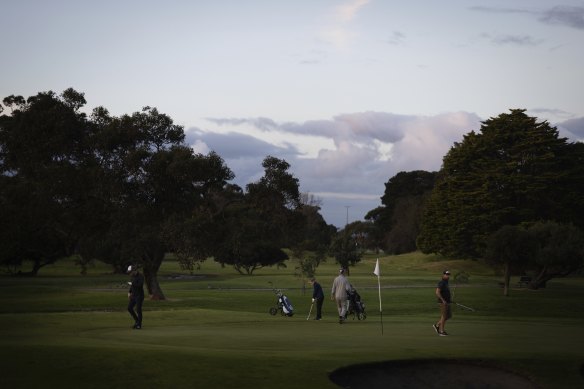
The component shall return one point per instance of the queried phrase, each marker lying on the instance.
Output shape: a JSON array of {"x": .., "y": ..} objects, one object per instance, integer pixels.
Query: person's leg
[
  {"x": 131, "y": 306},
  {"x": 139, "y": 311},
  {"x": 319, "y": 308}
]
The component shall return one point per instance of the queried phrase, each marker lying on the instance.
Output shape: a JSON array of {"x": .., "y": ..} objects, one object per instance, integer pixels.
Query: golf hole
[{"x": 429, "y": 374}]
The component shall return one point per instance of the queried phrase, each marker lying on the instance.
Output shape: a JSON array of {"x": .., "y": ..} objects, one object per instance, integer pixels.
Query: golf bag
[
  {"x": 282, "y": 304},
  {"x": 356, "y": 306}
]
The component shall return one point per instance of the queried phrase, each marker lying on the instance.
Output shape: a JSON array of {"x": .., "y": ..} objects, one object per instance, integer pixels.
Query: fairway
[{"x": 64, "y": 330}]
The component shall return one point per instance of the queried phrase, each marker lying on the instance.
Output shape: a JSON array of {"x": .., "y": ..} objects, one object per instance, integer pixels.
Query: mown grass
[{"x": 65, "y": 330}]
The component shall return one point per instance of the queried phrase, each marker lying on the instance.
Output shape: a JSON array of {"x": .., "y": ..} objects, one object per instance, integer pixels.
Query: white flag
[{"x": 376, "y": 271}]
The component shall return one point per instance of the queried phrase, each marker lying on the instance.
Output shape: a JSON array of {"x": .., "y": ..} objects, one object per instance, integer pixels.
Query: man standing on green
[
  {"x": 339, "y": 294},
  {"x": 443, "y": 295},
  {"x": 136, "y": 296},
  {"x": 317, "y": 297}
]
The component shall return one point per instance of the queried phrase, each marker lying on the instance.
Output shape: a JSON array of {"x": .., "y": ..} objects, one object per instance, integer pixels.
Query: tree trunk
[
  {"x": 152, "y": 264},
  {"x": 507, "y": 279}
]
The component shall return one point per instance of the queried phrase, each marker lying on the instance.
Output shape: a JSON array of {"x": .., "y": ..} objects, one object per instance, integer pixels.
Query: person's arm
[
  {"x": 333, "y": 289},
  {"x": 439, "y": 295}
]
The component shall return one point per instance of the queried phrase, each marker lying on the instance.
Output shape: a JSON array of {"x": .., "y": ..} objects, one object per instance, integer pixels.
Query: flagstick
[{"x": 380, "y": 310}]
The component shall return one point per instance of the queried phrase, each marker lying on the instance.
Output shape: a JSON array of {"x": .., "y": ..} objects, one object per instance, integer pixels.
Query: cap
[
  {"x": 446, "y": 272},
  {"x": 341, "y": 271},
  {"x": 129, "y": 268}
]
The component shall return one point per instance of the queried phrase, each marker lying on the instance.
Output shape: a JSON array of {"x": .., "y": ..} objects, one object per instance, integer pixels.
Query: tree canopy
[{"x": 514, "y": 170}]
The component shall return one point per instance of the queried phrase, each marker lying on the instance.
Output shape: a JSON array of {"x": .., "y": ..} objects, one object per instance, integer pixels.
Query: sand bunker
[{"x": 429, "y": 374}]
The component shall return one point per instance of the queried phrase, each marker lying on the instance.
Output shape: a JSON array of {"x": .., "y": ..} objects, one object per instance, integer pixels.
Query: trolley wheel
[{"x": 273, "y": 311}]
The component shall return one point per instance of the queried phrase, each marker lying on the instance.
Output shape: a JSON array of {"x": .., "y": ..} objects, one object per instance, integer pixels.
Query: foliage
[
  {"x": 345, "y": 248},
  {"x": 397, "y": 222},
  {"x": 548, "y": 249},
  {"x": 255, "y": 228},
  {"x": 511, "y": 248},
  {"x": 515, "y": 170},
  {"x": 46, "y": 176}
]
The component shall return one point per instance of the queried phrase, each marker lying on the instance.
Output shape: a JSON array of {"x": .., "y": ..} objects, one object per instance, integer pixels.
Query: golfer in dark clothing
[
  {"x": 443, "y": 295},
  {"x": 136, "y": 296},
  {"x": 318, "y": 297}
]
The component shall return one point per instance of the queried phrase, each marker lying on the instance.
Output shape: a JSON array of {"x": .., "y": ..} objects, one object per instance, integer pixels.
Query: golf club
[
  {"x": 309, "y": 312},
  {"x": 465, "y": 307}
]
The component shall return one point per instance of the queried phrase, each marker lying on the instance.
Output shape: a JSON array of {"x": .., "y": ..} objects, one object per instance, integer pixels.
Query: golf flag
[{"x": 377, "y": 272}]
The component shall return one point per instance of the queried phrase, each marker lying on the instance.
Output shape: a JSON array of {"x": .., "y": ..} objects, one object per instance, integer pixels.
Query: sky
[{"x": 348, "y": 92}]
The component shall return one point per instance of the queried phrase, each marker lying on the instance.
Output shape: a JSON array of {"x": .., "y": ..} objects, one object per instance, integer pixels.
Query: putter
[
  {"x": 309, "y": 312},
  {"x": 465, "y": 307}
]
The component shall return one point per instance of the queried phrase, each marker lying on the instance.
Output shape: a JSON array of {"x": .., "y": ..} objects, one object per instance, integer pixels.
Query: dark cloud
[
  {"x": 564, "y": 15},
  {"x": 569, "y": 16},
  {"x": 575, "y": 127},
  {"x": 551, "y": 111},
  {"x": 236, "y": 145}
]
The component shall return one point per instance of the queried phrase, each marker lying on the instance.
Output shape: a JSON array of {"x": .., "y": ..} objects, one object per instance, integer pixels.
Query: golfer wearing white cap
[{"x": 136, "y": 296}]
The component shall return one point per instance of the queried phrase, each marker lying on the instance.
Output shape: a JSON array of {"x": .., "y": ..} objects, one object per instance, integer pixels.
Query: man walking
[
  {"x": 136, "y": 296},
  {"x": 339, "y": 294},
  {"x": 317, "y": 297},
  {"x": 443, "y": 295}
]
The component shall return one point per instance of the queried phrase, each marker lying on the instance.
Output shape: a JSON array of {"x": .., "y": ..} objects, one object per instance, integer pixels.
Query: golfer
[
  {"x": 443, "y": 295},
  {"x": 317, "y": 297},
  {"x": 339, "y": 294},
  {"x": 136, "y": 296}
]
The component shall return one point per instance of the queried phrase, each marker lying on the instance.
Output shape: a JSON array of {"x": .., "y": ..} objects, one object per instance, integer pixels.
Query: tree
[
  {"x": 152, "y": 181},
  {"x": 559, "y": 251},
  {"x": 47, "y": 178},
  {"x": 512, "y": 248},
  {"x": 397, "y": 222},
  {"x": 257, "y": 228},
  {"x": 345, "y": 248},
  {"x": 513, "y": 171}
]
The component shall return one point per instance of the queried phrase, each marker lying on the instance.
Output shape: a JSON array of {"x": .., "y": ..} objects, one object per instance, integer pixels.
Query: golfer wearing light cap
[
  {"x": 136, "y": 296},
  {"x": 339, "y": 294},
  {"x": 443, "y": 295}
]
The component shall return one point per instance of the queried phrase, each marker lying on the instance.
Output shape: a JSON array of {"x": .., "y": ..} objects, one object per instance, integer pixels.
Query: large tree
[
  {"x": 152, "y": 180},
  {"x": 256, "y": 228},
  {"x": 397, "y": 221},
  {"x": 514, "y": 170},
  {"x": 47, "y": 176}
]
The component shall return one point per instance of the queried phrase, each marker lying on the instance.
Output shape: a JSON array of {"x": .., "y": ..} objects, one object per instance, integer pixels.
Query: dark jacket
[
  {"x": 317, "y": 292},
  {"x": 137, "y": 286}
]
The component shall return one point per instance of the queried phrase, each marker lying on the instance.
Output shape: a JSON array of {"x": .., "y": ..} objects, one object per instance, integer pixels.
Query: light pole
[{"x": 347, "y": 206}]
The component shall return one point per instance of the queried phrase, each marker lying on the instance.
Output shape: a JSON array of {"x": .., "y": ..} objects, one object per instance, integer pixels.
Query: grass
[{"x": 64, "y": 330}]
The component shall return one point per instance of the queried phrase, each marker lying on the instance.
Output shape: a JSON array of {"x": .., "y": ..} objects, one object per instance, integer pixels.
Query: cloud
[
  {"x": 352, "y": 154},
  {"x": 346, "y": 12},
  {"x": 564, "y": 15},
  {"x": 498, "y": 9},
  {"x": 574, "y": 128},
  {"x": 569, "y": 16},
  {"x": 515, "y": 40},
  {"x": 338, "y": 33},
  {"x": 397, "y": 38}
]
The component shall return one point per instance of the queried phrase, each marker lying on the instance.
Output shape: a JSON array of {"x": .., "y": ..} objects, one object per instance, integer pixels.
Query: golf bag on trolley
[
  {"x": 356, "y": 306},
  {"x": 282, "y": 304}
]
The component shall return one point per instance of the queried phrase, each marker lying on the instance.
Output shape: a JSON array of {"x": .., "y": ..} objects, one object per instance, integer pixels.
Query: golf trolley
[
  {"x": 356, "y": 306},
  {"x": 282, "y": 304}
]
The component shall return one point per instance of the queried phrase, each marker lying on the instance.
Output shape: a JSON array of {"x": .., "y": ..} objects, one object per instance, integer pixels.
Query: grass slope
[{"x": 69, "y": 331}]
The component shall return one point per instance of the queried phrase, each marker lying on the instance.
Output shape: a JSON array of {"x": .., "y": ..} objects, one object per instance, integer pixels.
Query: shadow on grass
[{"x": 430, "y": 373}]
